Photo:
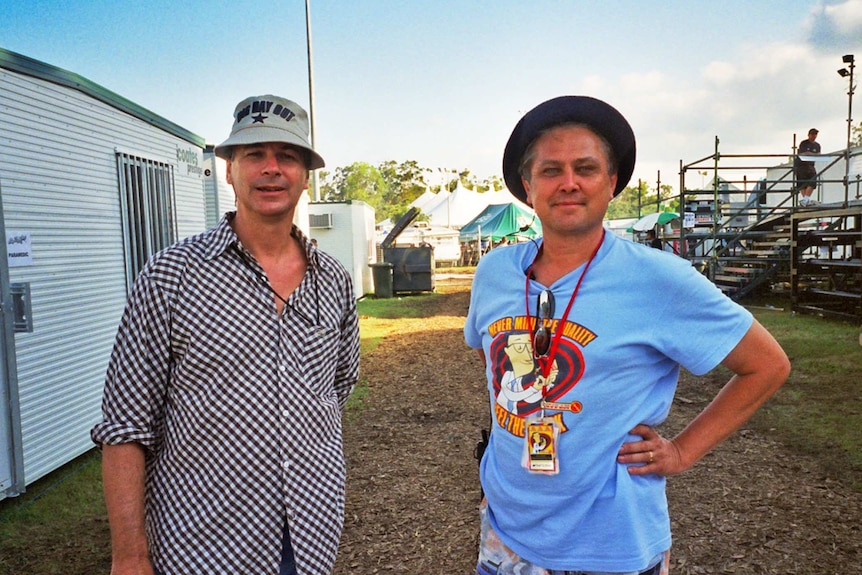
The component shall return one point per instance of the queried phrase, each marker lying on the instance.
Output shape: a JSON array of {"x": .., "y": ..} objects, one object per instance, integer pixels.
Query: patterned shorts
[{"x": 495, "y": 558}]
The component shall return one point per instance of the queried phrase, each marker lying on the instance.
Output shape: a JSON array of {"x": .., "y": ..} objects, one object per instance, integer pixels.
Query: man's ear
[
  {"x": 227, "y": 174},
  {"x": 613, "y": 185},
  {"x": 526, "y": 186}
]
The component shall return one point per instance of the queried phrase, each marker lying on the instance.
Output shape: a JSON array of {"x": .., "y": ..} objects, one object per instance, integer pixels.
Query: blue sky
[{"x": 444, "y": 82}]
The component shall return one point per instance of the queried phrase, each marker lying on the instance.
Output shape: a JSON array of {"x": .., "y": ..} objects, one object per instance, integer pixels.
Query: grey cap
[{"x": 268, "y": 118}]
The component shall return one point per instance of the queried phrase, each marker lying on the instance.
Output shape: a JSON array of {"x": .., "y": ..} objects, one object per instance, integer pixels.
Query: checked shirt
[{"x": 239, "y": 409}]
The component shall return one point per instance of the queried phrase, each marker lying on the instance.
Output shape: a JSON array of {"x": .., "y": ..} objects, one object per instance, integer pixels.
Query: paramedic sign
[
  {"x": 190, "y": 161},
  {"x": 18, "y": 252}
]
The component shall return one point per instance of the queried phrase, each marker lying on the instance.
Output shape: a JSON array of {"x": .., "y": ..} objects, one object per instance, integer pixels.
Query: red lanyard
[{"x": 545, "y": 363}]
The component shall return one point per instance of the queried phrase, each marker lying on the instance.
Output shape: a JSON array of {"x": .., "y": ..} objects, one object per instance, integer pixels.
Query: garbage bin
[
  {"x": 413, "y": 268},
  {"x": 382, "y": 274}
]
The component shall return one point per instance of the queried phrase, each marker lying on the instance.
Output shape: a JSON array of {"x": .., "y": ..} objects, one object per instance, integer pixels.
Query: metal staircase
[
  {"x": 826, "y": 261},
  {"x": 758, "y": 241}
]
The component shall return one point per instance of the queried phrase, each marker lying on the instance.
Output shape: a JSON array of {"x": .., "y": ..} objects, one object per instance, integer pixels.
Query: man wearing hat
[
  {"x": 608, "y": 323},
  {"x": 221, "y": 433},
  {"x": 806, "y": 171}
]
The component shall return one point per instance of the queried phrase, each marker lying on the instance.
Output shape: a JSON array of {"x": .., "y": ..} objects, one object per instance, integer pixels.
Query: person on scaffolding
[{"x": 806, "y": 172}]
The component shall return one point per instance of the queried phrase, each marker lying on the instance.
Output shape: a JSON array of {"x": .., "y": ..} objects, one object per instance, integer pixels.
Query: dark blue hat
[{"x": 604, "y": 119}]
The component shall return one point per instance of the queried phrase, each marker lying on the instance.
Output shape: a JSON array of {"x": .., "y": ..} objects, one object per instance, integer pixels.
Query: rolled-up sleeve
[{"x": 136, "y": 381}]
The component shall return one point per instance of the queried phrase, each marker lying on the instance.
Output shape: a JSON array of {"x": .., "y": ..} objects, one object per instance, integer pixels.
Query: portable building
[
  {"x": 218, "y": 191},
  {"x": 91, "y": 185},
  {"x": 345, "y": 230}
]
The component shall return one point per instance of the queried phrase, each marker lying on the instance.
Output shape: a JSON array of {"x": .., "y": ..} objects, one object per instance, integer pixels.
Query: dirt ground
[{"x": 750, "y": 507}]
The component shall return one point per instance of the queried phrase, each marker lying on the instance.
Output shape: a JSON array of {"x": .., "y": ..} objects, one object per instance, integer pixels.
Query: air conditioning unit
[{"x": 320, "y": 221}]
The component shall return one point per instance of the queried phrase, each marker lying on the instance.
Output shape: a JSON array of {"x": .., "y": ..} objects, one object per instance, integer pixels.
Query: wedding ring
[{"x": 650, "y": 457}]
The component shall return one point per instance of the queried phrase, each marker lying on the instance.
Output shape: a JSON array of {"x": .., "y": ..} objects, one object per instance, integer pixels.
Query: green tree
[
  {"x": 669, "y": 199},
  {"x": 495, "y": 183},
  {"x": 358, "y": 181},
  {"x": 856, "y": 138},
  {"x": 640, "y": 200},
  {"x": 405, "y": 182},
  {"x": 388, "y": 188},
  {"x": 625, "y": 205},
  {"x": 470, "y": 181},
  {"x": 480, "y": 185}
]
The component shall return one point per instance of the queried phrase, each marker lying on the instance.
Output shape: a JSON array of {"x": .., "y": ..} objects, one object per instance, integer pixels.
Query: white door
[{"x": 11, "y": 455}]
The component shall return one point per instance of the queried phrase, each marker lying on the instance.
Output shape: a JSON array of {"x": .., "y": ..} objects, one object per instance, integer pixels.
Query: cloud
[
  {"x": 756, "y": 103},
  {"x": 836, "y": 25}
]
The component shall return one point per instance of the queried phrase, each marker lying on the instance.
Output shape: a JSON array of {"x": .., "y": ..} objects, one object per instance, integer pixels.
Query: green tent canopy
[
  {"x": 650, "y": 221},
  {"x": 501, "y": 221}
]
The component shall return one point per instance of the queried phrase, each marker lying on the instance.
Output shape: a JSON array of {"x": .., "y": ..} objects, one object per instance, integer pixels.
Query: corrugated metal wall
[
  {"x": 211, "y": 185},
  {"x": 219, "y": 194},
  {"x": 59, "y": 183}
]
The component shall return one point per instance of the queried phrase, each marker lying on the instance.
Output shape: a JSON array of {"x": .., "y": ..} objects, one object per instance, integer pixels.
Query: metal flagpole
[{"x": 315, "y": 190}]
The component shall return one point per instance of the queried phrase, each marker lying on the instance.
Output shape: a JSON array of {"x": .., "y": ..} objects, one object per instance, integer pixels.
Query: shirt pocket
[{"x": 318, "y": 356}]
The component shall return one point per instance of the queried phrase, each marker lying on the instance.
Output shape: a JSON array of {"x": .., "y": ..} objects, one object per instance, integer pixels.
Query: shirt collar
[{"x": 222, "y": 236}]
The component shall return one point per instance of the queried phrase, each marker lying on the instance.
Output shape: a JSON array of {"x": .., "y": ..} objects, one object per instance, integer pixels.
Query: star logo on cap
[{"x": 258, "y": 119}]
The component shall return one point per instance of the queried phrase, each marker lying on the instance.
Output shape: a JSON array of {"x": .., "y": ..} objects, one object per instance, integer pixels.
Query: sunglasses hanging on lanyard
[{"x": 542, "y": 434}]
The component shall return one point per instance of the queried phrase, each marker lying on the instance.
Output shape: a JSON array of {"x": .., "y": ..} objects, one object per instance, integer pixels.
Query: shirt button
[
  {"x": 285, "y": 413},
  {"x": 286, "y": 465}
]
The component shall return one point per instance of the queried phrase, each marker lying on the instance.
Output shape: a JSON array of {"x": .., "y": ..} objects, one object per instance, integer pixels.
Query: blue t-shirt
[{"x": 639, "y": 315}]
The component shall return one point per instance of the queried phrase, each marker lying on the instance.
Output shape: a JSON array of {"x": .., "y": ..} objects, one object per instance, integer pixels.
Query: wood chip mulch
[{"x": 750, "y": 507}]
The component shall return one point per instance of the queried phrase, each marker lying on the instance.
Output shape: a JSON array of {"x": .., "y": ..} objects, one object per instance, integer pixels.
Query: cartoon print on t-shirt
[{"x": 518, "y": 383}]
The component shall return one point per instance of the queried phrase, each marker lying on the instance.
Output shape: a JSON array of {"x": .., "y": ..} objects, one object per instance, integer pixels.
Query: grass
[
  {"x": 378, "y": 319},
  {"x": 40, "y": 531},
  {"x": 818, "y": 412},
  {"x": 418, "y": 305}
]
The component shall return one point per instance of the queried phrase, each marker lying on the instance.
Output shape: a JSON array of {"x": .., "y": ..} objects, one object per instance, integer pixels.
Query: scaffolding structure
[{"x": 752, "y": 235}]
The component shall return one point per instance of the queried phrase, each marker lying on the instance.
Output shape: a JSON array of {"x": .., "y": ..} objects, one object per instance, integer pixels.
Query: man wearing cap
[
  {"x": 806, "y": 171},
  {"x": 614, "y": 320},
  {"x": 221, "y": 430}
]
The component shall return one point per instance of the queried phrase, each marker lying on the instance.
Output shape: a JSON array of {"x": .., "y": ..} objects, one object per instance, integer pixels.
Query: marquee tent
[
  {"x": 457, "y": 208},
  {"x": 430, "y": 204},
  {"x": 423, "y": 201},
  {"x": 502, "y": 221}
]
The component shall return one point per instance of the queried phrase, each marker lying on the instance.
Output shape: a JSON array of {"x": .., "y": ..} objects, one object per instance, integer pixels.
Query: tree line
[{"x": 391, "y": 187}]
